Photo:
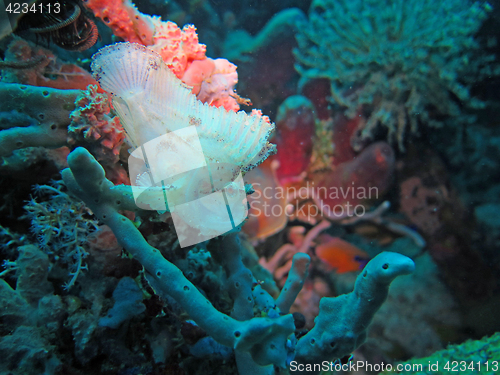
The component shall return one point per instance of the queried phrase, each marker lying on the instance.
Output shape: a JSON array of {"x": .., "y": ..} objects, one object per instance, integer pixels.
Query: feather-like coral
[{"x": 151, "y": 101}]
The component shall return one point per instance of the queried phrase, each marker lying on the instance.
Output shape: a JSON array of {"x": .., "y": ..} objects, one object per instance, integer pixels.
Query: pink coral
[
  {"x": 124, "y": 19},
  {"x": 213, "y": 81},
  {"x": 198, "y": 71},
  {"x": 92, "y": 126},
  {"x": 217, "y": 90},
  {"x": 177, "y": 47},
  {"x": 42, "y": 68}
]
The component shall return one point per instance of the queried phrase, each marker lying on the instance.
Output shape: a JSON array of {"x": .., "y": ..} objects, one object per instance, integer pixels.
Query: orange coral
[
  {"x": 177, "y": 47},
  {"x": 93, "y": 127},
  {"x": 36, "y": 66},
  {"x": 213, "y": 81},
  {"x": 217, "y": 90},
  {"x": 124, "y": 19}
]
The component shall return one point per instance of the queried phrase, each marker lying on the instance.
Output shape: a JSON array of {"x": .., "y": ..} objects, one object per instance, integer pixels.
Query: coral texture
[
  {"x": 92, "y": 126},
  {"x": 405, "y": 62},
  {"x": 91, "y": 122},
  {"x": 471, "y": 357},
  {"x": 61, "y": 225},
  {"x": 212, "y": 80},
  {"x": 33, "y": 65},
  {"x": 38, "y": 116}
]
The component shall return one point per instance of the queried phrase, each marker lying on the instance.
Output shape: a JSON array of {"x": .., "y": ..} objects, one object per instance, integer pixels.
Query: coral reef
[
  {"x": 264, "y": 339},
  {"x": 386, "y": 165},
  {"x": 405, "y": 63},
  {"x": 34, "y": 116},
  {"x": 61, "y": 225},
  {"x": 213, "y": 81},
  {"x": 471, "y": 357}
]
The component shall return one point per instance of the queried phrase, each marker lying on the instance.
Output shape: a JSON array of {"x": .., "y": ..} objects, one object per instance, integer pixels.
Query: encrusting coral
[{"x": 405, "y": 62}]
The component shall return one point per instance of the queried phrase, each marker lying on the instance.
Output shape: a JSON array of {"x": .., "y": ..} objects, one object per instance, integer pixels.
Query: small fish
[{"x": 341, "y": 255}]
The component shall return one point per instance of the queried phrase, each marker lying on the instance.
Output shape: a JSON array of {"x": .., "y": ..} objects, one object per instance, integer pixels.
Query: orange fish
[{"x": 341, "y": 255}]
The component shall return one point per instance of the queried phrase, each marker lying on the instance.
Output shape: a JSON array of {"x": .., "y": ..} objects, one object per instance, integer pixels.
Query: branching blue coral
[{"x": 406, "y": 62}]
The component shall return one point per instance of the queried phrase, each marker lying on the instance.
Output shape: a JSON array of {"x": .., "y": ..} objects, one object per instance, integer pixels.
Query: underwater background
[{"x": 369, "y": 232}]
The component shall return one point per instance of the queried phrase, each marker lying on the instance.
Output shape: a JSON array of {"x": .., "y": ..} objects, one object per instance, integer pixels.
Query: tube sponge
[
  {"x": 341, "y": 324},
  {"x": 264, "y": 338}
]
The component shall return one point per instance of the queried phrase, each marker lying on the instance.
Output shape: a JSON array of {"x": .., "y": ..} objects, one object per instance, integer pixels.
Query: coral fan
[{"x": 399, "y": 60}]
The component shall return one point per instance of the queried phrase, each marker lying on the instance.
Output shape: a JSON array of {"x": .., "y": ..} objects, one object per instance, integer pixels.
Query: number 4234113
[{"x": 33, "y": 8}]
